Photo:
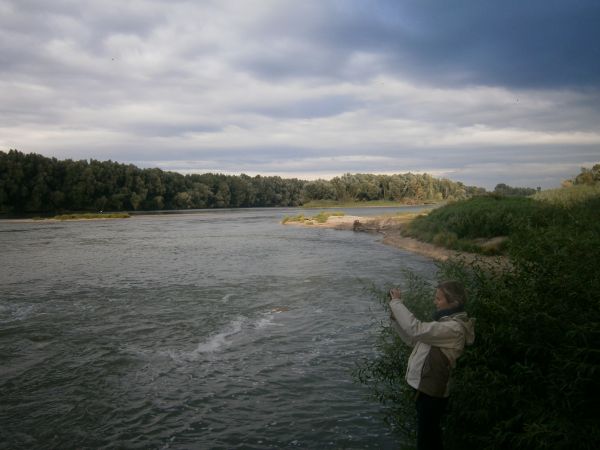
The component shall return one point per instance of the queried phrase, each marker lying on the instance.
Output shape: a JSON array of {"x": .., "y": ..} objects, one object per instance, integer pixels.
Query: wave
[
  {"x": 14, "y": 313},
  {"x": 222, "y": 338},
  {"x": 241, "y": 328}
]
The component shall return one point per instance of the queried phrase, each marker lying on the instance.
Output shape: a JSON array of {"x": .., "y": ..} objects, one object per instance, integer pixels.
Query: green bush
[{"x": 529, "y": 382}]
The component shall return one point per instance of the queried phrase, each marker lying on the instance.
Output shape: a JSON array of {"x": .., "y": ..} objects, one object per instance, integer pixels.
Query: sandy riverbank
[{"x": 390, "y": 228}]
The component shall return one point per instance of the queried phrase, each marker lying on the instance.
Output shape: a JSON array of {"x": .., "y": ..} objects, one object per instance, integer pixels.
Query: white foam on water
[
  {"x": 224, "y": 338},
  {"x": 215, "y": 343},
  {"x": 226, "y": 298},
  {"x": 221, "y": 339},
  {"x": 263, "y": 322}
]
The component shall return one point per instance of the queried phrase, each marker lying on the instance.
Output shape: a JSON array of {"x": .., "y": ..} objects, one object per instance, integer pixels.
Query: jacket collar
[{"x": 437, "y": 315}]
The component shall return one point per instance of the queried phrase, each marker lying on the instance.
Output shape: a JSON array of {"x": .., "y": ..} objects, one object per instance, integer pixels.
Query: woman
[{"x": 436, "y": 347}]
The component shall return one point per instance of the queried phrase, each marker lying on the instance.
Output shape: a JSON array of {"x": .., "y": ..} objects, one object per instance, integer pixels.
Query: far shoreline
[{"x": 31, "y": 218}]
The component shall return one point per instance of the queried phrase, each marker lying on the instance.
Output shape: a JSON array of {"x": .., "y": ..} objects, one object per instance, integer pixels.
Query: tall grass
[{"x": 568, "y": 196}]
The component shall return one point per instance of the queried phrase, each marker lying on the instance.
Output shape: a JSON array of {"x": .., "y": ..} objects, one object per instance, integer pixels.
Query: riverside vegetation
[
  {"x": 31, "y": 183},
  {"x": 530, "y": 380},
  {"x": 485, "y": 224},
  {"x": 319, "y": 218}
]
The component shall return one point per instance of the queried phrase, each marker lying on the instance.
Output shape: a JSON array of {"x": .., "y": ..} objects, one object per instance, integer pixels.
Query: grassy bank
[
  {"x": 486, "y": 224},
  {"x": 530, "y": 380},
  {"x": 471, "y": 225}
]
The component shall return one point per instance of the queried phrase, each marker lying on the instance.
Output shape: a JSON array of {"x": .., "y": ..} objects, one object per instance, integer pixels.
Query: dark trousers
[{"x": 429, "y": 415}]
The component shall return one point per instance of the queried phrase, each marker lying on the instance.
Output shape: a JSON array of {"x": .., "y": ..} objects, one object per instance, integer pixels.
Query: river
[{"x": 214, "y": 329}]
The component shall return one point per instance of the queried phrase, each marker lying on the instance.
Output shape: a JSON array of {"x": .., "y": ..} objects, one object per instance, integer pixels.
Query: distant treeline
[
  {"x": 35, "y": 183},
  {"x": 509, "y": 191},
  {"x": 587, "y": 177}
]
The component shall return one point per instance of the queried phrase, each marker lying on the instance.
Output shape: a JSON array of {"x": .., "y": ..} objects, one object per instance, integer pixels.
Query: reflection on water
[{"x": 222, "y": 329}]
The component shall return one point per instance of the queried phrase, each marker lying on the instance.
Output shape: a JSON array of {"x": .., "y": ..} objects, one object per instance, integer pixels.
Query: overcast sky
[{"x": 482, "y": 92}]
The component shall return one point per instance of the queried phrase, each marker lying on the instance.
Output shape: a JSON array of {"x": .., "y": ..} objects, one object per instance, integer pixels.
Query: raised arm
[{"x": 412, "y": 330}]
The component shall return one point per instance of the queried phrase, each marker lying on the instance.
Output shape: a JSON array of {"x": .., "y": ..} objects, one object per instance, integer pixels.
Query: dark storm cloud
[{"x": 510, "y": 43}]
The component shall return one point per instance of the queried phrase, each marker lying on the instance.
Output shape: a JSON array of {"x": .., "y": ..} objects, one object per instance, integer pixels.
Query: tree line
[
  {"x": 510, "y": 191},
  {"x": 35, "y": 183}
]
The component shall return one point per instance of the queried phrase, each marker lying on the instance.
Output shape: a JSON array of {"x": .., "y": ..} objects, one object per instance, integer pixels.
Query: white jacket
[{"x": 437, "y": 346}]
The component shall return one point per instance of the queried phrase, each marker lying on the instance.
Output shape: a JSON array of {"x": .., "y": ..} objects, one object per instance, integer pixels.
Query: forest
[{"x": 32, "y": 183}]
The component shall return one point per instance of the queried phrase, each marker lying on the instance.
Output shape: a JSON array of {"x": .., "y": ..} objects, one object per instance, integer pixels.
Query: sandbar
[{"x": 390, "y": 230}]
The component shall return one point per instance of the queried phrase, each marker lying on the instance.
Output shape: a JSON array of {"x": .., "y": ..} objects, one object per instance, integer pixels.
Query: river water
[{"x": 218, "y": 329}]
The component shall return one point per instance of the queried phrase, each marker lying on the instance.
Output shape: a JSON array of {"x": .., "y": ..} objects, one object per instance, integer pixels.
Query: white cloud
[{"x": 187, "y": 85}]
